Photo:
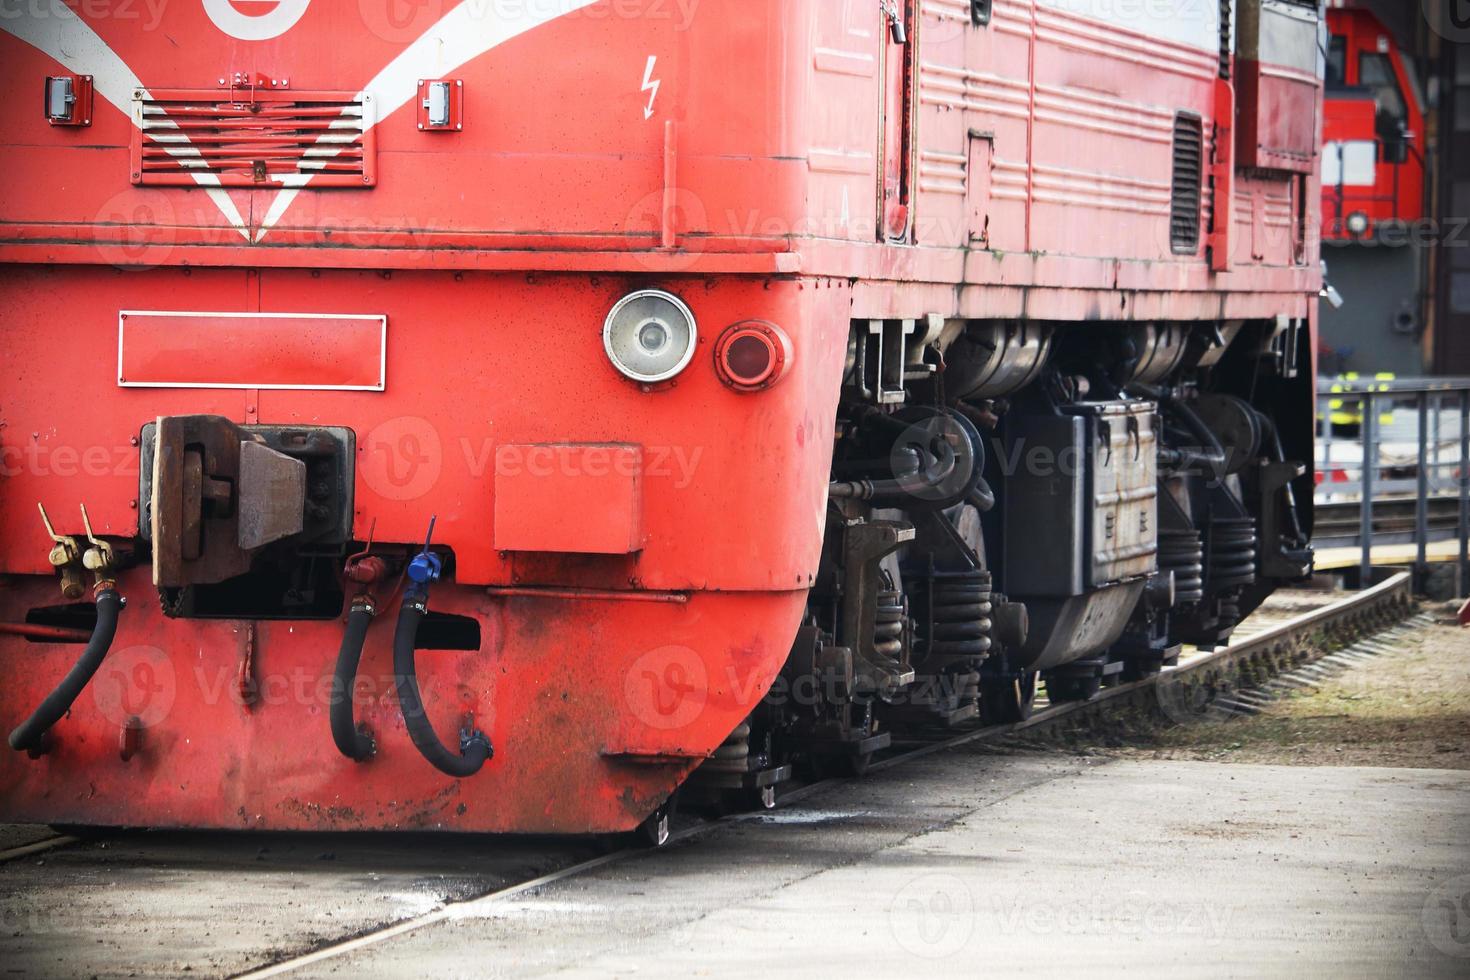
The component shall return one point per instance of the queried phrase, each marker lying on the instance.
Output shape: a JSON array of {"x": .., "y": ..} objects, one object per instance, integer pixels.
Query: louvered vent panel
[
  {"x": 1184, "y": 209},
  {"x": 1227, "y": 35},
  {"x": 272, "y": 142}
]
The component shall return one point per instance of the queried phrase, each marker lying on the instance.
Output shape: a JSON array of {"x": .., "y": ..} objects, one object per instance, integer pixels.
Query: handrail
[{"x": 1348, "y": 403}]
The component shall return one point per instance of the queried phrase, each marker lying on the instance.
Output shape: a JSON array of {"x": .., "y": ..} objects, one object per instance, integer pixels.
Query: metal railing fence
[{"x": 1386, "y": 443}]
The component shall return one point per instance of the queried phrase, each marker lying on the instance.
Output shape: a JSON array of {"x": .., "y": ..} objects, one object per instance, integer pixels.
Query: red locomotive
[
  {"x": 496, "y": 417},
  {"x": 1373, "y": 131}
]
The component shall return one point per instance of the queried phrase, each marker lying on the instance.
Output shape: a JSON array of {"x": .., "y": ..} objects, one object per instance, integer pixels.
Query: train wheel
[
  {"x": 654, "y": 832},
  {"x": 1060, "y": 689},
  {"x": 1139, "y": 669},
  {"x": 85, "y": 831},
  {"x": 1009, "y": 700}
]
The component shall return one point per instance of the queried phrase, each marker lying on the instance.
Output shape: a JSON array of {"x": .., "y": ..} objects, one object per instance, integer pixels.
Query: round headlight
[
  {"x": 1357, "y": 223},
  {"x": 650, "y": 336}
]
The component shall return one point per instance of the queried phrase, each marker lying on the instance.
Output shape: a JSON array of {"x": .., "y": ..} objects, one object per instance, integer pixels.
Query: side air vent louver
[
  {"x": 1184, "y": 201},
  {"x": 1227, "y": 35},
  {"x": 274, "y": 139}
]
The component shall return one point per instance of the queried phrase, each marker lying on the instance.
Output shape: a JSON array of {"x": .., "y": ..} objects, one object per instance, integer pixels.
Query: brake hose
[
  {"x": 474, "y": 746},
  {"x": 353, "y": 740},
  {"x": 29, "y": 734}
]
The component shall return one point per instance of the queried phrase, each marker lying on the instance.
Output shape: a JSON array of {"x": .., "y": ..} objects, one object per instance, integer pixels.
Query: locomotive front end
[
  {"x": 591, "y": 564},
  {"x": 378, "y": 450}
]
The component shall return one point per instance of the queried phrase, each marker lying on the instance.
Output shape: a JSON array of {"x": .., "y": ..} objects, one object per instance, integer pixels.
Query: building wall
[{"x": 1379, "y": 325}]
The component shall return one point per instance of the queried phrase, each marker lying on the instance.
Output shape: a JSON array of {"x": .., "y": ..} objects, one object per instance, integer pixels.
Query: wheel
[
  {"x": 1005, "y": 701},
  {"x": 857, "y": 764},
  {"x": 1060, "y": 689},
  {"x": 85, "y": 831},
  {"x": 654, "y": 832},
  {"x": 1140, "y": 668}
]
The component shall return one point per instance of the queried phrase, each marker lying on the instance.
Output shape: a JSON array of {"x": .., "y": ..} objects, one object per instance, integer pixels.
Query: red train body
[
  {"x": 1373, "y": 155},
  {"x": 282, "y": 283}
]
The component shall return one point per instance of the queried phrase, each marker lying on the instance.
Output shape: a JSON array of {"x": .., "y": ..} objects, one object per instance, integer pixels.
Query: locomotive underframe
[{"x": 1129, "y": 492}]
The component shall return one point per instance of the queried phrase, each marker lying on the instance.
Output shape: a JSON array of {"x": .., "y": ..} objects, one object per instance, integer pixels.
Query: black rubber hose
[
  {"x": 1209, "y": 454},
  {"x": 933, "y": 466},
  {"x": 29, "y": 733},
  {"x": 352, "y": 741},
  {"x": 474, "y": 747},
  {"x": 982, "y": 496}
]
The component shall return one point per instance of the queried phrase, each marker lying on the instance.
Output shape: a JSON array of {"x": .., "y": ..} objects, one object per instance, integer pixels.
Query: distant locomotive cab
[
  {"x": 506, "y": 420},
  {"x": 1373, "y": 151}
]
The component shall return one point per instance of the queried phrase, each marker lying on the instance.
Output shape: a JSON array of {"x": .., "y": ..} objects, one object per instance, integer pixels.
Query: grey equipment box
[{"x": 1081, "y": 498}]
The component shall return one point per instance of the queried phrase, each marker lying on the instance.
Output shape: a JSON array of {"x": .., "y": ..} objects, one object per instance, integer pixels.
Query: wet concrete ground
[
  {"x": 977, "y": 861},
  {"x": 978, "y": 865},
  {"x": 216, "y": 904},
  {"x": 963, "y": 863}
]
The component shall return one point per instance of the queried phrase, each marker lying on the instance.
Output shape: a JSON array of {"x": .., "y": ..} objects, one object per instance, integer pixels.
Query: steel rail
[{"x": 36, "y": 847}]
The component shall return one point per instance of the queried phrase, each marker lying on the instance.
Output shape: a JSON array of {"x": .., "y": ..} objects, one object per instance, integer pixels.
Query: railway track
[
  {"x": 1296, "y": 630},
  {"x": 1339, "y": 524},
  {"x": 39, "y": 846},
  {"x": 1274, "y": 645}
]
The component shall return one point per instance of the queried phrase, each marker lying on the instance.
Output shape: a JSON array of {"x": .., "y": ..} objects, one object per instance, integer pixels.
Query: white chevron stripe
[
  {"x": 65, "y": 37},
  {"x": 460, "y": 36}
]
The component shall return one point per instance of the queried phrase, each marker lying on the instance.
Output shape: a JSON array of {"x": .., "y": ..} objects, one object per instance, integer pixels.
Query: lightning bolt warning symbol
[{"x": 650, "y": 85}]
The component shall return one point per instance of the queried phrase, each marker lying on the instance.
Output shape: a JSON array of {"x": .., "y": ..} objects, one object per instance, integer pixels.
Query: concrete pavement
[{"x": 1031, "y": 865}]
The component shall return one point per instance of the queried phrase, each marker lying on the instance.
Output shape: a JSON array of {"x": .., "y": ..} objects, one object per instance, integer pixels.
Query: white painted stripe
[
  {"x": 1195, "y": 23},
  {"x": 67, "y": 39},
  {"x": 462, "y": 35},
  {"x": 465, "y": 33}
]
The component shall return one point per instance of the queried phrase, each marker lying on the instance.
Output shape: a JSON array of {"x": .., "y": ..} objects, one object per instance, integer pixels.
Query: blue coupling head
[
  {"x": 424, "y": 569},
  {"x": 469, "y": 738}
]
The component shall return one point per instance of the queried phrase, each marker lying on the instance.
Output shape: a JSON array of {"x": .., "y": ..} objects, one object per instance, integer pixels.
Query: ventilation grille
[
  {"x": 275, "y": 141},
  {"x": 1184, "y": 202},
  {"x": 1227, "y": 13}
]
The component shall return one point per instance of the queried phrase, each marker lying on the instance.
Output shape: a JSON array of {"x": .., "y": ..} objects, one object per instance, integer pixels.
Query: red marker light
[{"x": 753, "y": 355}]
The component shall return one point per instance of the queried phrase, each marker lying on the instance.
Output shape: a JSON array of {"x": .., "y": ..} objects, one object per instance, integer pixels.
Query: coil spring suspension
[
  {"x": 1232, "y": 552},
  {"x": 888, "y": 631},
  {"x": 1183, "y": 553},
  {"x": 732, "y": 754},
  {"x": 960, "y": 611}
]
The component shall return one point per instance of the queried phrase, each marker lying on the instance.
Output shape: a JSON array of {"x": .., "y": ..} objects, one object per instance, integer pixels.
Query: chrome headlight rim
[{"x": 683, "y": 310}]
